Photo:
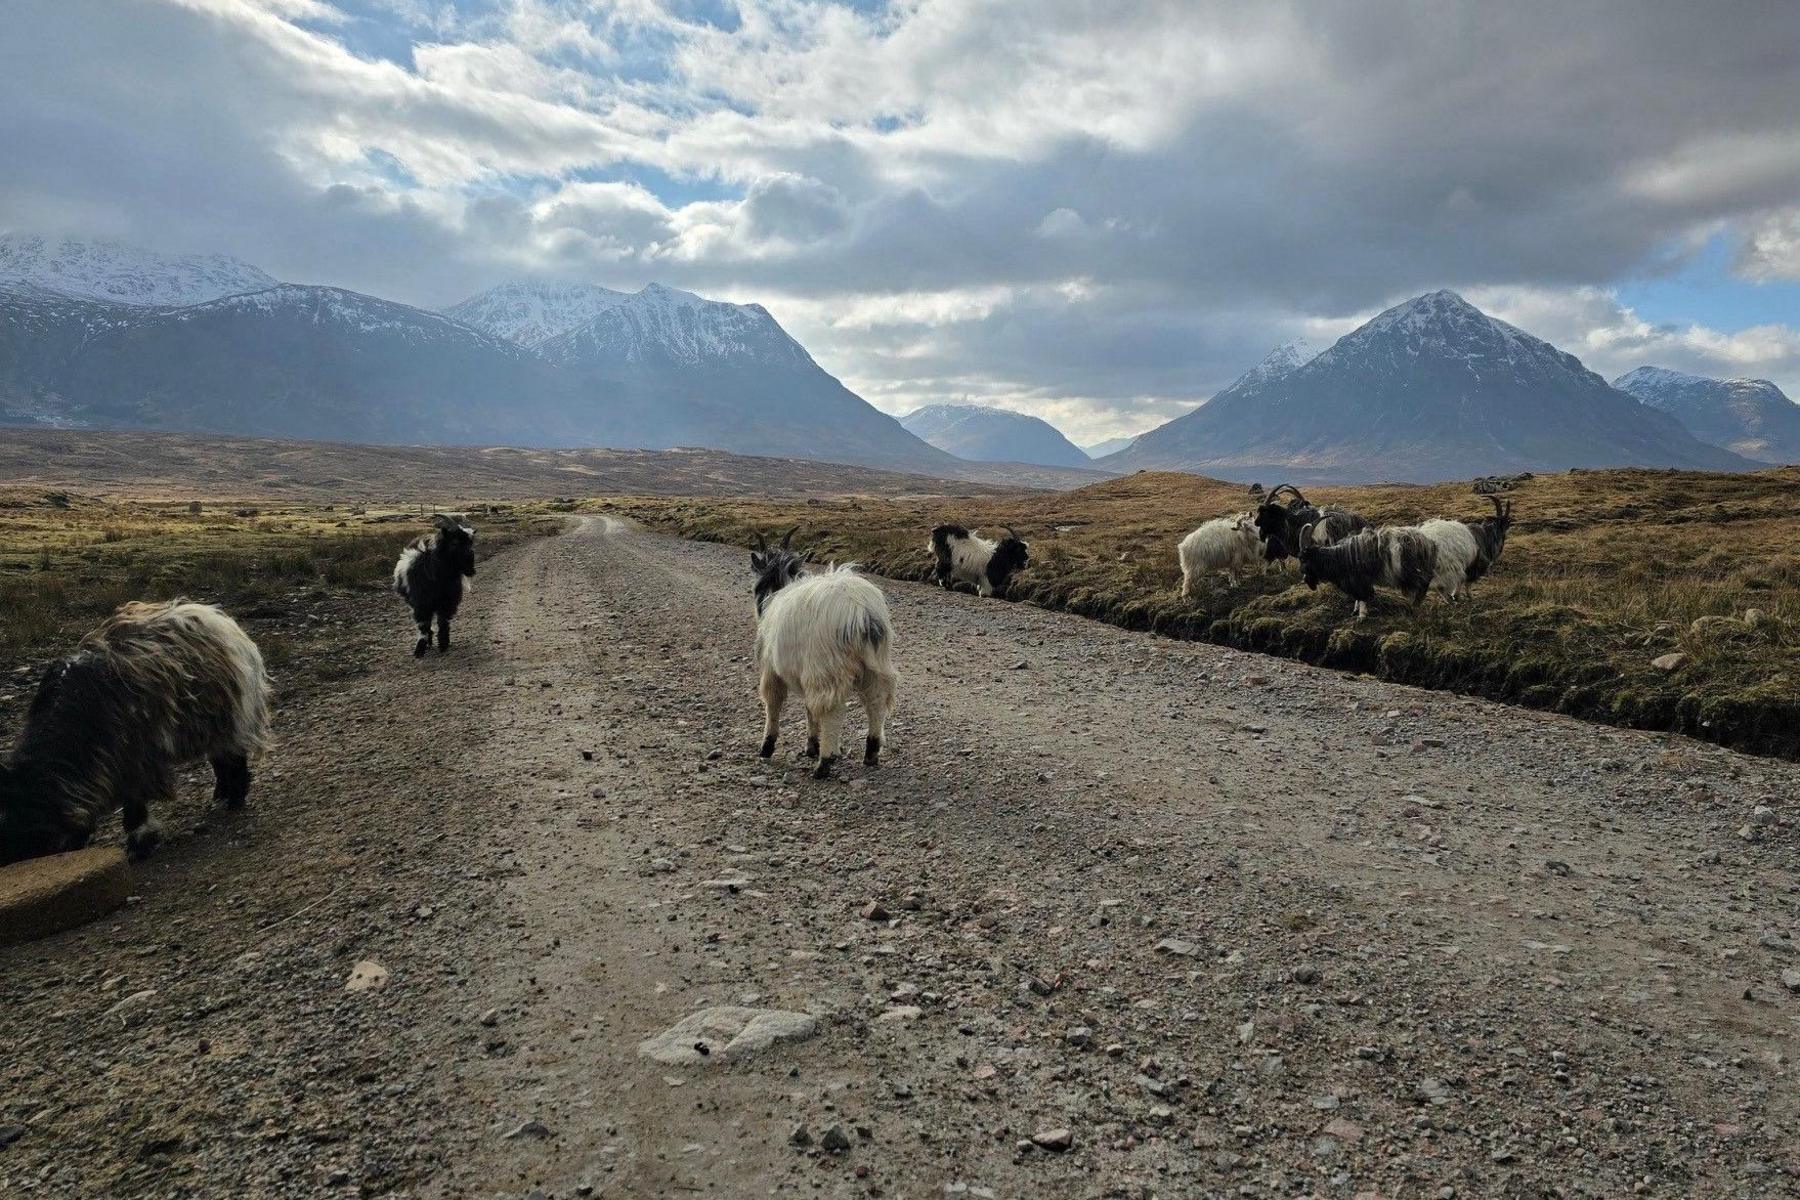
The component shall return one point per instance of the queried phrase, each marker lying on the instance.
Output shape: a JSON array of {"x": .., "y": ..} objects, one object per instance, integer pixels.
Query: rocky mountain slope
[
  {"x": 1431, "y": 389},
  {"x": 99, "y": 335},
  {"x": 1752, "y": 417}
]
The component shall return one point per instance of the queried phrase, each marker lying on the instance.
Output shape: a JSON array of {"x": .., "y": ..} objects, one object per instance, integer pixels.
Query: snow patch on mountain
[
  {"x": 120, "y": 274},
  {"x": 534, "y": 313},
  {"x": 1280, "y": 361}
]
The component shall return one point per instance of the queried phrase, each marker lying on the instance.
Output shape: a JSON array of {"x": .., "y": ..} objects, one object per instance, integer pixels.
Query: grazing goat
[
  {"x": 984, "y": 564},
  {"x": 821, "y": 637},
  {"x": 158, "y": 686},
  {"x": 1227, "y": 544},
  {"x": 430, "y": 575},
  {"x": 1467, "y": 550},
  {"x": 1279, "y": 525},
  {"x": 1399, "y": 557}
]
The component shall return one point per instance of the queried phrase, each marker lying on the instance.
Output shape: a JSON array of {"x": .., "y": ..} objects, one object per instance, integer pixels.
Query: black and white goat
[
  {"x": 821, "y": 638},
  {"x": 1412, "y": 559},
  {"x": 430, "y": 577},
  {"x": 1467, "y": 550},
  {"x": 982, "y": 563},
  {"x": 1227, "y": 544},
  {"x": 158, "y": 686},
  {"x": 1279, "y": 524},
  {"x": 1399, "y": 557}
]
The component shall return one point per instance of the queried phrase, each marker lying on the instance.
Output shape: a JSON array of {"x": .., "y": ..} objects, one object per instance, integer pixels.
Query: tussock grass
[
  {"x": 1604, "y": 571},
  {"x": 66, "y": 561}
]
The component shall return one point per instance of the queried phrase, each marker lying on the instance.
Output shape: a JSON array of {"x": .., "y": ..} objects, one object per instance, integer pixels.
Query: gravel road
[{"x": 1116, "y": 917}]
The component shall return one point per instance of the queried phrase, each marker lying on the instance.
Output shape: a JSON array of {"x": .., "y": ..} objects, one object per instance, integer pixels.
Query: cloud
[
  {"x": 1105, "y": 212},
  {"x": 1611, "y": 338}
]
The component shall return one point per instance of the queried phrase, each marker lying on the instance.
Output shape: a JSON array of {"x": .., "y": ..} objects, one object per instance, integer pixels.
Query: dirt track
[{"x": 1420, "y": 942}]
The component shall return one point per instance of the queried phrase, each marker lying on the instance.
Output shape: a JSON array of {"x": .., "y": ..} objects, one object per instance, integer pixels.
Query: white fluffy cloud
[{"x": 1099, "y": 214}]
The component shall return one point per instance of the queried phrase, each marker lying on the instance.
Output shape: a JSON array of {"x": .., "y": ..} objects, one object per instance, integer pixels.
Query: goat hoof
[
  {"x": 872, "y": 753},
  {"x": 823, "y": 770},
  {"x": 419, "y": 650},
  {"x": 812, "y": 748},
  {"x": 767, "y": 750},
  {"x": 141, "y": 841}
]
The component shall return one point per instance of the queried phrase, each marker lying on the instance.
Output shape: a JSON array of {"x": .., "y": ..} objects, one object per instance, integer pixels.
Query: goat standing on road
[
  {"x": 430, "y": 575},
  {"x": 821, "y": 637}
]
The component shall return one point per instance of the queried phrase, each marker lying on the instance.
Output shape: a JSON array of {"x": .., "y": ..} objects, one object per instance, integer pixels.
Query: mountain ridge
[
  {"x": 1428, "y": 390},
  {"x": 1752, "y": 417},
  {"x": 982, "y": 434}
]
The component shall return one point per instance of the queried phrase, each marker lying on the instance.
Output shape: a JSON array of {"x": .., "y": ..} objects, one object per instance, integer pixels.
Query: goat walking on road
[
  {"x": 823, "y": 638},
  {"x": 430, "y": 578}
]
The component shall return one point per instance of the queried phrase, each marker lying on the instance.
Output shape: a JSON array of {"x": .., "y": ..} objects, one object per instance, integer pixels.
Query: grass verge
[
  {"x": 66, "y": 560},
  {"x": 1605, "y": 572}
]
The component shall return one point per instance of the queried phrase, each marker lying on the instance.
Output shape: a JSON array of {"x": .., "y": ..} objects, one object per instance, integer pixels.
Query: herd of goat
[{"x": 159, "y": 687}]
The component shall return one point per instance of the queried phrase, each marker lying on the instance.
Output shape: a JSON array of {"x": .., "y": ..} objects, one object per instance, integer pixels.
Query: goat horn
[
  {"x": 1012, "y": 533},
  {"x": 1306, "y": 535},
  {"x": 789, "y": 537},
  {"x": 762, "y": 543},
  {"x": 1499, "y": 508}
]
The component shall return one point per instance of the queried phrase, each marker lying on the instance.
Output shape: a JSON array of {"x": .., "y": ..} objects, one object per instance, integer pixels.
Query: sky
[{"x": 1098, "y": 213}]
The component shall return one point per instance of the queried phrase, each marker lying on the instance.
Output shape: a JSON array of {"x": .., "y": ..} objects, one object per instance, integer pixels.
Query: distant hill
[
  {"x": 1109, "y": 446},
  {"x": 97, "y": 335},
  {"x": 1752, "y": 417},
  {"x": 181, "y": 466},
  {"x": 1432, "y": 389},
  {"x": 993, "y": 435}
]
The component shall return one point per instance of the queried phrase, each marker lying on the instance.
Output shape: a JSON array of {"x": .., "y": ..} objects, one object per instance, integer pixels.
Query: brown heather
[{"x": 1604, "y": 572}]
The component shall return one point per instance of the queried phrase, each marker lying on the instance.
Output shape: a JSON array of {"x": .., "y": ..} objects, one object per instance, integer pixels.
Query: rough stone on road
[{"x": 728, "y": 1033}]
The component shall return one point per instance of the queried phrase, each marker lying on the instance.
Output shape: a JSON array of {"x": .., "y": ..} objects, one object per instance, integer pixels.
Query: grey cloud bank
[{"x": 1098, "y": 218}]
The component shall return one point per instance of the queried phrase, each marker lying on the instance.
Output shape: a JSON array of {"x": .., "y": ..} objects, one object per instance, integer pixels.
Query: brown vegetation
[
  {"x": 68, "y": 560},
  {"x": 1605, "y": 572}
]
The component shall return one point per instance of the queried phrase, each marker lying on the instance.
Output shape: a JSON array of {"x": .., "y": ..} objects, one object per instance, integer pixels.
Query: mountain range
[
  {"x": 1752, "y": 417},
  {"x": 1431, "y": 389},
  {"x": 97, "y": 335},
  {"x": 106, "y": 336},
  {"x": 982, "y": 434}
]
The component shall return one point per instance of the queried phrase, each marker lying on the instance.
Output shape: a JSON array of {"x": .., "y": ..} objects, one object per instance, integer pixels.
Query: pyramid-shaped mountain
[{"x": 1432, "y": 389}]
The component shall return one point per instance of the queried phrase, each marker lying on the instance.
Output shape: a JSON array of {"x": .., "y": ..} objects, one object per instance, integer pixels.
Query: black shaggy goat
[
  {"x": 1279, "y": 525},
  {"x": 982, "y": 563},
  {"x": 430, "y": 575},
  {"x": 1401, "y": 557},
  {"x": 157, "y": 687}
]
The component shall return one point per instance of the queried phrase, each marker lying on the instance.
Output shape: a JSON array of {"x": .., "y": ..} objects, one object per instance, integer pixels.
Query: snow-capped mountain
[
  {"x": 289, "y": 360},
  {"x": 95, "y": 334},
  {"x": 1751, "y": 417},
  {"x": 1431, "y": 389},
  {"x": 587, "y": 325},
  {"x": 534, "y": 313},
  {"x": 983, "y": 434},
  {"x": 120, "y": 274},
  {"x": 1282, "y": 360}
]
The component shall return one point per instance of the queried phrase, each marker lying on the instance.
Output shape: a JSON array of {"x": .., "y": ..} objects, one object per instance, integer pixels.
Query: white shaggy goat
[
  {"x": 158, "y": 686},
  {"x": 823, "y": 638},
  {"x": 982, "y": 563},
  {"x": 1466, "y": 550},
  {"x": 1228, "y": 544}
]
